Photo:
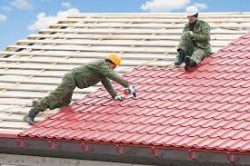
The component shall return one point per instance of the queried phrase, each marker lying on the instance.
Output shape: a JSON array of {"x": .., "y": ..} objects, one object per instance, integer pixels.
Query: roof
[
  {"x": 33, "y": 67},
  {"x": 204, "y": 109}
]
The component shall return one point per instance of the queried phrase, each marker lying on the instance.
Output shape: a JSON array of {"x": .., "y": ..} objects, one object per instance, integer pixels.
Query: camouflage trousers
[
  {"x": 60, "y": 97},
  {"x": 190, "y": 48}
]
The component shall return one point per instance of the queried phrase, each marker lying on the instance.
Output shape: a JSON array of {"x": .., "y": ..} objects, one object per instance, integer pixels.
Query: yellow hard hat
[{"x": 115, "y": 59}]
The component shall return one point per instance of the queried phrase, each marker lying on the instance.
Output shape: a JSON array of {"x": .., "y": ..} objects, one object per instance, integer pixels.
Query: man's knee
[
  {"x": 58, "y": 103},
  {"x": 64, "y": 99},
  {"x": 198, "y": 56},
  {"x": 55, "y": 105},
  {"x": 196, "y": 59},
  {"x": 69, "y": 80}
]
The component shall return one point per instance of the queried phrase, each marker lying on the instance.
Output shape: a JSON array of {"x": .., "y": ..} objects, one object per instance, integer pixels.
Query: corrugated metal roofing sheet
[{"x": 205, "y": 109}]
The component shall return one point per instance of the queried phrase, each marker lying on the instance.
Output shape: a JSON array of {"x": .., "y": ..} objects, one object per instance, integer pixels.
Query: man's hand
[
  {"x": 130, "y": 90},
  {"x": 191, "y": 33},
  {"x": 118, "y": 97}
]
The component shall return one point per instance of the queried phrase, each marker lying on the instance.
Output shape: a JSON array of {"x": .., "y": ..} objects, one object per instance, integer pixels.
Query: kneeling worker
[{"x": 82, "y": 77}]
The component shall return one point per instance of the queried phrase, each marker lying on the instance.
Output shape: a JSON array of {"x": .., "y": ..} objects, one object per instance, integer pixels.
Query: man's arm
[
  {"x": 111, "y": 74},
  {"x": 108, "y": 86},
  {"x": 204, "y": 35}
]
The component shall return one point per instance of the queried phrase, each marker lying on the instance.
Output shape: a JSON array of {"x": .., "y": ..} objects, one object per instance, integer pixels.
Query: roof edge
[
  {"x": 157, "y": 147},
  {"x": 116, "y": 153}
]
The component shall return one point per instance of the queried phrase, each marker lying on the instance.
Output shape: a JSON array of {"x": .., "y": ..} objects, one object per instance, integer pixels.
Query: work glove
[
  {"x": 118, "y": 97},
  {"x": 191, "y": 33},
  {"x": 130, "y": 90}
]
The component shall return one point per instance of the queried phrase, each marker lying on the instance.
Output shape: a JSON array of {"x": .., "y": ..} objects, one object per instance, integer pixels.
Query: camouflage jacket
[
  {"x": 201, "y": 34},
  {"x": 90, "y": 74}
]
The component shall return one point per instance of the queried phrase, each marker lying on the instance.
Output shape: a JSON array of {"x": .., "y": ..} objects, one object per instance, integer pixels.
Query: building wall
[{"x": 22, "y": 160}]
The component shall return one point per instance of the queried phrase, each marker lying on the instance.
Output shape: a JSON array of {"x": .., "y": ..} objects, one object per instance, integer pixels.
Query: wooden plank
[
  {"x": 83, "y": 55},
  {"x": 134, "y": 31},
  {"x": 136, "y": 18},
  {"x": 3, "y": 115},
  {"x": 14, "y": 125},
  {"x": 158, "y": 43},
  {"x": 36, "y": 73},
  {"x": 15, "y": 118},
  {"x": 23, "y": 110},
  {"x": 4, "y": 107},
  {"x": 161, "y": 63},
  {"x": 69, "y": 61},
  {"x": 15, "y": 101},
  {"x": 22, "y": 94},
  {"x": 46, "y": 60},
  {"x": 23, "y": 72},
  {"x": 34, "y": 80},
  {"x": 230, "y": 25},
  {"x": 118, "y": 49},
  {"x": 34, "y": 95},
  {"x": 107, "y": 36},
  {"x": 95, "y": 25},
  {"x": 129, "y": 36},
  {"x": 98, "y": 48},
  {"x": 63, "y": 68},
  {"x": 37, "y": 66},
  {"x": 158, "y": 20},
  {"x": 161, "y": 15},
  {"x": 84, "y": 48},
  {"x": 13, "y": 109},
  {"x": 111, "y": 31},
  {"x": 37, "y": 81},
  {"x": 10, "y": 131},
  {"x": 33, "y": 90},
  {"x": 44, "y": 88}
]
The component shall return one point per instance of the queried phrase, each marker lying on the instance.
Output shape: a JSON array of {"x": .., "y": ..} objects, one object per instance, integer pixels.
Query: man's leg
[
  {"x": 185, "y": 48},
  {"x": 197, "y": 56},
  {"x": 66, "y": 100},
  {"x": 61, "y": 96}
]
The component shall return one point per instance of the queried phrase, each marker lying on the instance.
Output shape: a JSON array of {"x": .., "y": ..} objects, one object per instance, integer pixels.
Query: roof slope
[
  {"x": 34, "y": 66},
  {"x": 205, "y": 109}
]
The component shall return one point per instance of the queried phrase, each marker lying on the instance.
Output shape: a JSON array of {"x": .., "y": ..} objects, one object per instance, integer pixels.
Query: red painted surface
[{"x": 206, "y": 109}]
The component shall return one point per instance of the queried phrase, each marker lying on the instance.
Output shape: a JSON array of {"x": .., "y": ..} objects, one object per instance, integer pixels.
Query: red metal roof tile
[{"x": 205, "y": 109}]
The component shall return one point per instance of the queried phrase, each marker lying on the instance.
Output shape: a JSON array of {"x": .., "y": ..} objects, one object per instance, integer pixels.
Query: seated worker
[
  {"x": 194, "y": 45},
  {"x": 82, "y": 77}
]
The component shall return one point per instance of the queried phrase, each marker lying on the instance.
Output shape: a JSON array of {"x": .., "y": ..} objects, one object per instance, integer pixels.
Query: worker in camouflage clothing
[
  {"x": 194, "y": 44},
  {"x": 82, "y": 77}
]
